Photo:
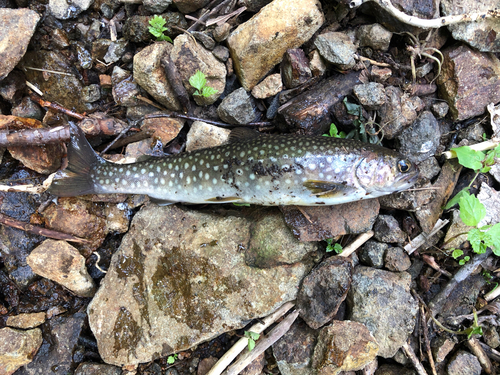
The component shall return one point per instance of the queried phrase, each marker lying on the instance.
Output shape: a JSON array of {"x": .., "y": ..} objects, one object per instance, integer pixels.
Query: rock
[
  {"x": 190, "y": 57},
  {"x": 206, "y": 40},
  {"x": 370, "y": 95},
  {"x": 336, "y": 48},
  {"x": 255, "y": 5},
  {"x": 372, "y": 253},
  {"x": 394, "y": 370},
  {"x": 320, "y": 223},
  {"x": 381, "y": 74},
  {"x": 17, "y": 348},
  {"x": 398, "y": 112},
  {"x": 295, "y": 68},
  {"x": 293, "y": 352},
  {"x": 136, "y": 28},
  {"x": 61, "y": 342},
  {"x": 441, "y": 347},
  {"x": 382, "y": 301},
  {"x": 323, "y": 290},
  {"x": 409, "y": 200},
  {"x": 429, "y": 168},
  {"x": 237, "y": 108},
  {"x": 181, "y": 269},
  {"x": 255, "y": 367},
  {"x": 125, "y": 89},
  {"x": 469, "y": 81},
  {"x": 374, "y": 36},
  {"x": 457, "y": 232},
  {"x": 63, "y": 10},
  {"x": 440, "y": 109},
  {"x": 387, "y": 229},
  {"x": 270, "y": 86},
  {"x": 12, "y": 87},
  {"x": 205, "y": 365},
  {"x": 115, "y": 51},
  {"x": 84, "y": 58},
  {"x": 156, "y": 6},
  {"x": 273, "y": 244},
  {"x": 17, "y": 26},
  {"x": 221, "y": 53},
  {"x": 91, "y": 93},
  {"x": 28, "y": 109},
  {"x": 343, "y": 346},
  {"x": 473, "y": 133},
  {"x": 421, "y": 139},
  {"x": 26, "y": 321},
  {"x": 202, "y": 135},
  {"x": 464, "y": 363},
  {"x": 490, "y": 198},
  {"x": 62, "y": 263},
  {"x": 482, "y": 33},
  {"x": 397, "y": 260},
  {"x": 88, "y": 368},
  {"x": 491, "y": 337},
  {"x": 163, "y": 129},
  {"x": 257, "y": 45},
  {"x": 316, "y": 63},
  {"x": 221, "y": 32},
  {"x": 189, "y": 6}
]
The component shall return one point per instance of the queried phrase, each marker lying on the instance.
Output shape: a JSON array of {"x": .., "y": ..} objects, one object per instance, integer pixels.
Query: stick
[
  {"x": 242, "y": 343},
  {"x": 478, "y": 351},
  {"x": 31, "y": 137},
  {"x": 273, "y": 336},
  {"x": 426, "y": 340},
  {"x": 422, "y": 237},
  {"x": 360, "y": 240},
  {"x": 483, "y": 146},
  {"x": 413, "y": 358}
]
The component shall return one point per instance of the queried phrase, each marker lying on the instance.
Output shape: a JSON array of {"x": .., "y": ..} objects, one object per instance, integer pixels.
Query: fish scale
[{"x": 264, "y": 170}]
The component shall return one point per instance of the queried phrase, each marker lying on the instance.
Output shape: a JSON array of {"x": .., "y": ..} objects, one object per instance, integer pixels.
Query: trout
[{"x": 268, "y": 170}]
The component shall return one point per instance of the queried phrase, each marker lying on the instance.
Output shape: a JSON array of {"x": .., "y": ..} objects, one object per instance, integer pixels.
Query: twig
[
  {"x": 176, "y": 82},
  {"x": 242, "y": 343},
  {"x": 217, "y": 4},
  {"x": 426, "y": 340},
  {"x": 35, "y": 136},
  {"x": 373, "y": 62},
  {"x": 34, "y": 88},
  {"x": 49, "y": 71},
  {"x": 221, "y": 19},
  {"x": 97, "y": 262},
  {"x": 413, "y": 358},
  {"x": 435, "y": 23},
  {"x": 264, "y": 343},
  {"x": 490, "y": 296},
  {"x": 431, "y": 262},
  {"x": 423, "y": 237},
  {"x": 478, "y": 351},
  {"x": 483, "y": 146},
  {"x": 490, "y": 352},
  {"x": 56, "y": 107},
  {"x": 360, "y": 240}
]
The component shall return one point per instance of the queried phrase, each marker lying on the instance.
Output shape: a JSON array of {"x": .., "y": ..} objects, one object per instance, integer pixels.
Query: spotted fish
[{"x": 264, "y": 170}]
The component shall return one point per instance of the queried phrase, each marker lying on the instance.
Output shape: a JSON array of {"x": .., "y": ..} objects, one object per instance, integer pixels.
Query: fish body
[{"x": 264, "y": 170}]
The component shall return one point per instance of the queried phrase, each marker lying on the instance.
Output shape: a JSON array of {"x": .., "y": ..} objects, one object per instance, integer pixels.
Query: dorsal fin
[{"x": 243, "y": 134}]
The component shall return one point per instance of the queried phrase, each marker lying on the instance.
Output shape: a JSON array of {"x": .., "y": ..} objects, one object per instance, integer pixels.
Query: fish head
[{"x": 381, "y": 173}]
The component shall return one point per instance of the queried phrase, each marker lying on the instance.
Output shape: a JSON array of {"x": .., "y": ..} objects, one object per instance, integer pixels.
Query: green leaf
[
  {"x": 494, "y": 237},
  {"x": 475, "y": 331},
  {"x": 457, "y": 253},
  {"x": 352, "y": 108},
  {"x": 476, "y": 237},
  {"x": 472, "y": 211},
  {"x": 453, "y": 201},
  {"x": 338, "y": 248},
  {"x": 198, "y": 80},
  {"x": 171, "y": 359},
  {"x": 157, "y": 22},
  {"x": 252, "y": 335},
  {"x": 208, "y": 91},
  {"x": 469, "y": 158},
  {"x": 164, "y": 37},
  {"x": 463, "y": 261},
  {"x": 334, "y": 133},
  {"x": 490, "y": 158}
]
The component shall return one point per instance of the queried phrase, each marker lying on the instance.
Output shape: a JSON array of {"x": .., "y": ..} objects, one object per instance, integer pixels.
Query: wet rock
[
  {"x": 163, "y": 129},
  {"x": 469, "y": 81},
  {"x": 255, "y": 5},
  {"x": 372, "y": 254},
  {"x": 91, "y": 93},
  {"x": 490, "y": 198},
  {"x": 115, "y": 51},
  {"x": 421, "y": 139},
  {"x": 26, "y": 321},
  {"x": 136, "y": 28},
  {"x": 387, "y": 229},
  {"x": 481, "y": 34},
  {"x": 187, "y": 279},
  {"x": 63, "y": 10},
  {"x": 370, "y": 95},
  {"x": 397, "y": 260},
  {"x": 16, "y": 29},
  {"x": 125, "y": 89},
  {"x": 12, "y": 87},
  {"x": 336, "y": 48},
  {"x": 319, "y": 223},
  {"x": 398, "y": 112},
  {"x": 343, "y": 346},
  {"x": 221, "y": 53},
  {"x": 237, "y": 108},
  {"x": 56, "y": 353},
  {"x": 259, "y": 44},
  {"x": 316, "y": 64},
  {"x": 491, "y": 337},
  {"x": 190, "y": 57},
  {"x": 429, "y": 168},
  {"x": 62, "y": 263},
  {"x": 270, "y": 86},
  {"x": 382, "y": 301},
  {"x": 189, "y": 6},
  {"x": 63, "y": 89},
  {"x": 323, "y": 290},
  {"x": 464, "y": 363},
  {"x": 17, "y": 348},
  {"x": 205, "y": 365},
  {"x": 88, "y": 368},
  {"x": 202, "y": 135},
  {"x": 256, "y": 367},
  {"x": 375, "y": 36},
  {"x": 295, "y": 68},
  {"x": 206, "y": 40},
  {"x": 221, "y": 32},
  {"x": 28, "y": 109},
  {"x": 440, "y": 109},
  {"x": 84, "y": 57},
  {"x": 409, "y": 200},
  {"x": 156, "y": 6},
  {"x": 473, "y": 133},
  {"x": 309, "y": 112},
  {"x": 380, "y": 74},
  {"x": 394, "y": 370},
  {"x": 457, "y": 231},
  {"x": 441, "y": 347}
]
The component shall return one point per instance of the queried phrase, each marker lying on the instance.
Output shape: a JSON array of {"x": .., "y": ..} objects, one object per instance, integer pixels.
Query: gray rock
[
  {"x": 178, "y": 274},
  {"x": 125, "y": 89},
  {"x": 397, "y": 260},
  {"x": 429, "y": 168},
  {"x": 370, "y": 95},
  {"x": 237, "y": 108},
  {"x": 136, "y": 28},
  {"x": 28, "y": 109},
  {"x": 221, "y": 32},
  {"x": 375, "y": 36},
  {"x": 83, "y": 55},
  {"x": 115, "y": 51},
  {"x": 473, "y": 133},
  {"x": 457, "y": 231},
  {"x": 490, "y": 198},
  {"x": 381, "y": 300},
  {"x": 491, "y": 337},
  {"x": 394, "y": 370},
  {"x": 17, "y": 348},
  {"x": 156, "y": 6},
  {"x": 202, "y": 135},
  {"x": 89, "y": 368},
  {"x": 91, "y": 93},
  {"x": 65, "y": 9},
  {"x": 464, "y": 363},
  {"x": 221, "y": 53},
  {"x": 189, "y": 6},
  {"x": 336, "y": 48},
  {"x": 323, "y": 290},
  {"x": 372, "y": 254},
  {"x": 442, "y": 346},
  {"x": 206, "y": 40},
  {"x": 387, "y": 229},
  {"x": 294, "y": 350},
  {"x": 421, "y": 139},
  {"x": 12, "y": 87},
  {"x": 440, "y": 109}
]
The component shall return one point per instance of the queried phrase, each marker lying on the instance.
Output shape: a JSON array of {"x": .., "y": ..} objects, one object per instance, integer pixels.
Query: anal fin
[{"x": 223, "y": 199}]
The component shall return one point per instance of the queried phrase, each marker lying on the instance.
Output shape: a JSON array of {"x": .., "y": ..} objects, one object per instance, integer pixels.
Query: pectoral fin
[{"x": 327, "y": 189}]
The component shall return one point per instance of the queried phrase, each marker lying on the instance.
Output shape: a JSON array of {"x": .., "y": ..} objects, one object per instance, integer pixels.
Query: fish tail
[{"x": 82, "y": 159}]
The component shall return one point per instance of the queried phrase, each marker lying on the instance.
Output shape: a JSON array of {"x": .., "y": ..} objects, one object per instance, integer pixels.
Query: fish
[{"x": 252, "y": 168}]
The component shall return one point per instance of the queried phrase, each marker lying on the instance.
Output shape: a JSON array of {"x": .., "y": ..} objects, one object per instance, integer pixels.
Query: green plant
[
  {"x": 365, "y": 130},
  {"x": 475, "y": 329},
  {"x": 252, "y": 337},
  {"x": 171, "y": 359},
  {"x": 457, "y": 253},
  {"x": 157, "y": 27},
  {"x": 334, "y": 132},
  {"x": 333, "y": 247},
  {"x": 472, "y": 211},
  {"x": 199, "y": 82}
]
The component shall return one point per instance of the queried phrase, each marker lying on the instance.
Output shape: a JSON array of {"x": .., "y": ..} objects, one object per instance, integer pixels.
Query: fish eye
[{"x": 404, "y": 166}]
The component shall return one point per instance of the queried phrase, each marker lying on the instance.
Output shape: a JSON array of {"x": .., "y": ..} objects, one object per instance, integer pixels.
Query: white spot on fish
[
  {"x": 252, "y": 177},
  {"x": 337, "y": 170},
  {"x": 169, "y": 165},
  {"x": 162, "y": 181},
  {"x": 151, "y": 174},
  {"x": 298, "y": 171},
  {"x": 145, "y": 183},
  {"x": 214, "y": 181},
  {"x": 312, "y": 166},
  {"x": 134, "y": 168},
  {"x": 188, "y": 180},
  {"x": 158, "y": 169},
  {"x": 242, "y": 154},
  {"x": 156, "y": 180},
  {"x": 124, "y": 182},
  {"x": 186, "y": 165},
  {"x": 288, "y": 181},
  {"x": 181, "y": 175},
  {"x": 170, "y": 183},
  {"x": 194, "y": 168},
  {"x": 216, "y": 168},
  {"x": 127, "y": 173},
  {"x": 207, "y": 176}
]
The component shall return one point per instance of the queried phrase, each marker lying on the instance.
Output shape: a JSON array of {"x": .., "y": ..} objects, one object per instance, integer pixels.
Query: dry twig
[
  {"x": 478, "y": 351},
  {"x": 413, "y": 358},
  {"x": 360, "y": 240}
]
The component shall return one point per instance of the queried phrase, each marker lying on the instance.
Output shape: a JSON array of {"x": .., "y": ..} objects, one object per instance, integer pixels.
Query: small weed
[
  {"x": 252, "y": 337},
  {"x": 171, "y": 359},
  {"x": 199, "y": 82},
  {"x": 365, "y": 130},
  {"x": 334, "y": 132},
  {"x": 157, "y": 27},
  {"x": 333, "y": 247}
]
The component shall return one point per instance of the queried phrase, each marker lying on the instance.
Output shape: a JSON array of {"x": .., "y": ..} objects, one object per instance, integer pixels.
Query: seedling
[
  {"x": 252, "y": 337},
  {"x": 334, "y": 132},
  {"x": 171, "y": 359},
  {"x": 364, "y": 128},
  {"x": 199, "y": 82},
  {"x": 333, "y": 247},
  {"x": 158, "y": 27}
]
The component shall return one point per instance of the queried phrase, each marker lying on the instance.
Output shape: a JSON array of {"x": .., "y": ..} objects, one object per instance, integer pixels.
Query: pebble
[
  {"x": 26, "y": 321},
  {"x": 202, "y": 135},
  {"x": 372, "y": 253},
  {"x": 63, "y": 9},
  {"x": 387, "y": 229},
  {"x": 295, "y": 68},
  {"x": 441, "y": 346},
  {"x": 17, "y": 348},
  {"x": 375, "y": 36},
  {"x": 464, "y": 363},
  {"x": 91, "y": 93},
  {"x": 370, "y": 95},
  {"x": 397, "y": 260},
  {"x": 125, "y": 88},
  {"x": 88, "y": 368},
  {"x": 336, "y": 48},
  {"x": 316, "y": 64},
  {"x": 270, "y": 86},
  {"x": 237, "y": 108}
]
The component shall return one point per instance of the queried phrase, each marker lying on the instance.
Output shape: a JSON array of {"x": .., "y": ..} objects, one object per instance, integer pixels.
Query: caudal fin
[{"x": 82, "y": 159}]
